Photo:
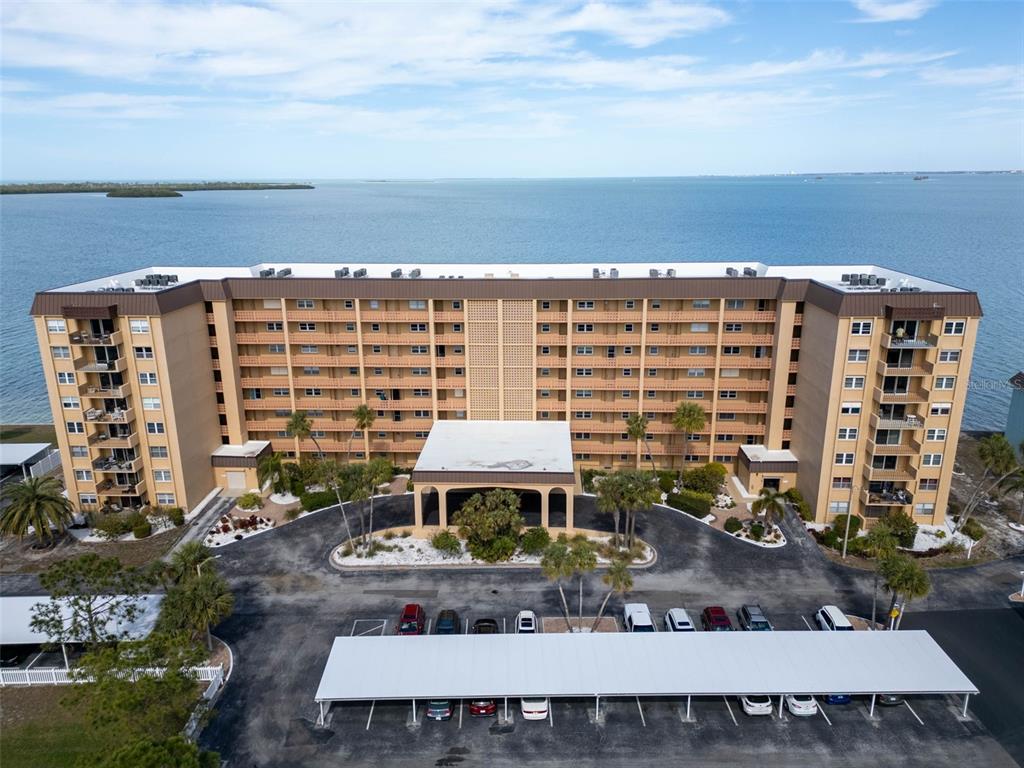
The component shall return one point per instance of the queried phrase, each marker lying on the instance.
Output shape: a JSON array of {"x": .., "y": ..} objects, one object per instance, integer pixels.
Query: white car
[
  {"x": 678, "y": 620},
  {"x": 637, "y": 617},
  {"x": 526, "y": 623},
  {"x": 801, "y": 705},
  {"x": 756, "y": 705},
  {"x": 534, "y": 709},
  {"x": 831, "y": 619}
]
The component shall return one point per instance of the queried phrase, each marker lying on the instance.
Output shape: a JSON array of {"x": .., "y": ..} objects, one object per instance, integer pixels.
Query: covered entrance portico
[{"x": 530, "y": 457}]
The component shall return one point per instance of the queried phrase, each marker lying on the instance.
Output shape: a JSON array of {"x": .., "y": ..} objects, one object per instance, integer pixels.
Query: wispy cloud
[
  {"x": 972, "y": 76},
  {"x": 876, "y": 11}
]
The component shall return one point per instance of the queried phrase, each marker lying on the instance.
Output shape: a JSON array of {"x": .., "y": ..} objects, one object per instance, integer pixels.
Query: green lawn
[
  {"x": 28, "y": 433},
  {"x": 37, "y": 732}
]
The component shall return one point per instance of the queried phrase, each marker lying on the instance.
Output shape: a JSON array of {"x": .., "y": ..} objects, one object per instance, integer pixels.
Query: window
[
  {"x": 653, "y": 351},
  {"x": 307, "y": 349},
  {"x": 421, "y": 393},
  {"x": 860, "y": 328},
  {"x": 420, "y": 371},
  {"x": 545, "y": 393},
  {"x": 856, "y": 355},
  {"x": 652, "y": 372},
  {"x": 280, "y": 392},
  {"x": 79, "y": 452},
  {"x": 838, "y": 507},
  {"x": 162, "y": 475},
  {"x": 56, "y": 326},
  {"x": 583, "y": 415},
  {"x": 313, "y": 392},
  {"x": 87, "y": 498},
  {"x": 924, "y": 508},
  {"x": 935, "y": 434},
  {"x": 730, "y": 350},
  {"x": 850, "y": 409},
  {"x": 418, "y": 327},
  {"x": 734, "y": 303},
  {"x": 931, "y": 460},
  {"x": 726, "y": 438},
  {"x": 699, "y": 327},
  {"x": 349, "y": 304},
  {"x": 165, "y": 499},
  {"x": 655, "y": 303},
  {"x": 694, "y": 394},
  {"x": 147, "y": 378},
  {"x": 158, "y": 452},
  {"x": 627, "y": 371},
  {"x": 584, "y": 371},
  {"x": 151, "y": 403},
  {"x": 949, "y": 356},
  {"x": 155, "y": 427},
  {"x": 729, "y": 373},
  {"x": 580, "y": 435},
  {"x": 655, "y": 327},
  {"x": 420, "y": 435},
  {"x": 853, "y": 382},
  {"x": 728, "y": 394},
  {"x": 143, "y": 353},
  {"x": 929, "y": 484},
  {"x": 652, "y": 394},
  {"x": 421, "y": 414},
  {"x": 545, "y": 305},
  {"x": 139, "y": 326},
  {"x": 545, "y": 327},
  {"x": 278, "y": 370},
  {"x": 69, "y": 402},
  {"x": 419, "y": 349},
  {"x": 701, "y": 303},
  {"x": 584, "y": 327},
  {"x": 317, "y": 433},
  {"x": 275, "y": 326},
  {"x": 350, "y": 327},
  {"x": 702, "y": 350},
  {"x": 545, "y": 350},
  {"x": 847, "y": 433},
  {"x": 584, "y": 393},
  {"x": 630, "y": 304},
  {"x": 310, "y": 370},
  {"x": 83, "y": 474},
  {"x": 75, "y": 427},
  {"x": 303, "y": 303},
  {"x": 375, "y": 349},
  {"x": 945, "y": 382},
  {"x": 727, "y": 417},
  {"x": 457, "y": 304},
  {"x": 844, "y": 458},
  {"x": 627, "y": 395},
  {"x": 307, "y": 327},
  {"x": 545, "y": 371},
  {"x": 941, "y": 409},
  {"x": 842, "y": 482},
  {"x": 417, "y": 304},
  {"x": 61, "y": 353},
  {"x": 584, "y": 350},
  {"x": 734, "y": 327},
  {"x": 694, "y": 373},
  {"x": 625, "y": 351},
  {"x": 584, "y": 305},
  {"x": 953, "y": 327},
  {"x": 627, "y": 328},
  {"x": 65, "y": 377}
]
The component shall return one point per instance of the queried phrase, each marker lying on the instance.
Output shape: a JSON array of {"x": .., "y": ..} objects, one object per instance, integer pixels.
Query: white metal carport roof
[
  {"x": 16, "y": 619},
  {"x": 16, "y": 454},
  {"x": 623, "y": 664}
]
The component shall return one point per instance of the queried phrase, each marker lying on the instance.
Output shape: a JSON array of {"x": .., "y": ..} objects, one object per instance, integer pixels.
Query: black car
[
  {"x": 447, "y": 623},
  {"x": 486, "y": 627}
]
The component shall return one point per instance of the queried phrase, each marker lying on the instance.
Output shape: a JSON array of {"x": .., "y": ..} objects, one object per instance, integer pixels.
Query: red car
[
  {"x": 715, "y": 619},
  {"x": 482, "y": 708},
  {"x": 413, "y": 621}
]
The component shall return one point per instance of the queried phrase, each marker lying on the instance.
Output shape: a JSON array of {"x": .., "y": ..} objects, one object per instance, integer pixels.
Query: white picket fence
[
  {"x": 213, "y": 675},
  {"x": 47, "y": 464}
]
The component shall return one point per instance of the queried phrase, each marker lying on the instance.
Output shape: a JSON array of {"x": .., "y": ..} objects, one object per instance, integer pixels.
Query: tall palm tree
[
  {"x": 208, "y": 601},
  {"x": 640, "y": 491},
  {"x": 362, "y": 420},
  {"x": 358, "y": 496},
  {"x": 636, "y": 428},
  {"x": 880, "y": 543},
  {"x": 270, "y": 469},
  {"x": 556, "y": 565},
  {"x": 377, "y": 471},
  {"x": 300, "y": 426},
  {"x": 771, "y": 504},
  {"x": 609, "y": 501},
  {"x": 688, "y": 418},
  {"x": 618, "y": 579},
  {"x": 916, "y": 584},
  {"x": 1000, "y": 462},
  {"x": 583, "y": 560},
  {"x": 39, "y": 503},
  {"x": 330, "y": 476},
  {"x": 904, "y": 577},
  {"x": 187, "y": 561}
]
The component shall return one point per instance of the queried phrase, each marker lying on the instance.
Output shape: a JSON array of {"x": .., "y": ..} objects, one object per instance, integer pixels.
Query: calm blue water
[{"x": 963, "y": 229}]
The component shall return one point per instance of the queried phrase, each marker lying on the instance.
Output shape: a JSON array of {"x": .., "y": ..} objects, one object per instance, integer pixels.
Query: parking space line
[
  {"x": 729, "y": 706},
  {"x": 640, "y": 707},
  {"x": 821, "y": 709},
  {"x": 368, "y": 719},
  {"x": 377, "y": 625},
  {"x": 807, "y": 622},
  {"x": 919, "y": 720}
]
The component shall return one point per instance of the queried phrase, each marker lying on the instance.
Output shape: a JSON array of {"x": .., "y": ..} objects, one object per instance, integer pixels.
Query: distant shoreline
[{"x": 118, "y": 189}]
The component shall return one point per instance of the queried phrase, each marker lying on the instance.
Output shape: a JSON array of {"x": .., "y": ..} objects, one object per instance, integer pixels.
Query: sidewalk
[{"x": 198, "y": 528}]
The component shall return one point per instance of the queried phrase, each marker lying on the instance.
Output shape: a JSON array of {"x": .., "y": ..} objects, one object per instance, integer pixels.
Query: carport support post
[
  {"x": 506, "y": 709},
  {"x": 320, "y": 722},
  {"x": 414, "y": 711},
  {"x": 597, "y": 708},
  {"x": 64, "y": 650},
  {"x": 871, "y": 712},
  {"x": 780, "y": 706},
  {"x": 967, "y": 698},
  {"x": 687, "y": 707}
]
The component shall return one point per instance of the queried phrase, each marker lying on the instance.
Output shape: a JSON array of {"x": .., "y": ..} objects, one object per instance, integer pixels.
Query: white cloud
[
  {"x": 901, "y": 10},
  {"x": 972, "y": 76}
]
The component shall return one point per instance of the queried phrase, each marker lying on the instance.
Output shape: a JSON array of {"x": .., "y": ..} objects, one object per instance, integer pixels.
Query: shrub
[
  {"x": 951, "y": 547},
  {"x": 291, "y": 514},
  {"x": 312, "y": 500},
  {"x": 757, "y": 531},
  {"x": 667, "y": 481},
  {"x": 588, "y": 475},
  {"x": 298, "y": 487},
  {"x": 111, "y": 526},
  {"x": 691, "y": 502},
  {"x": 176, "y": 516},
  {"x": 406, "y": 534},
  {"x": 250, "y": 500},
  {"x": 839, "y": 526},
  {"x": 858, "y": 546},
  {"x": 346, "y": 551},
  {"x": 388, "y": 535},
  {"x": 534, "y": 541},
  {"x": 903, "y": 527},
  {"x": 490, "y": 523},
  {"x": 142, "y": 530},
  {"x": 802, "y": 507},
  {"x": 706, "y": 479},
  {"x": 501, "y": 548},
  {"x": 973, "y": 528},
  {"x": 732, "y": 525},
  {"x": 447, "y": 543}
]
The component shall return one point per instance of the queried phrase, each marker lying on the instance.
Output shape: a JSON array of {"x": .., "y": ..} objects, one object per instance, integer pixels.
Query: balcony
[
  {"x": 921, "y": 369},
  {"x": 898, "y": 497},
  {"x": 909, "y": 395},
  {"x": 92, "y": 366},
  {"x": 899, "y": 449},
  {"x": 117, "y": 416},
  {"x": 903, "y": 472},
  {"x": 111, "y": 464},
  {"x": 910, "y": 421},
  {"x": 85, "y": 339},
  {"x": 98, "y": 392},
  {"x": 924, "y": 341},
  {"x": 106, "y": 440},
  {"x": 111, "y": 487}
]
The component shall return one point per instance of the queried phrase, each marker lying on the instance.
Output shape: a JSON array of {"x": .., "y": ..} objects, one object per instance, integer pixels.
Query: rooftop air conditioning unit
[
  {"x": 596, "y": 273},
  {"x": 361, "y": 272},
  {"x": 732, "y": 271},
  {"x": 670, "y": 272},
  {"x": 285, "y": 272},
  {"x": 396, "y": 273},
  {"x": 415, "y": 272},
  {"x": 343, "y": 272},
  {"x": 749, "y": 272},
  {"x": 882, "y": 281},
  {"x": 613, "y": 272},
  {"x": 654, "y": 273}
]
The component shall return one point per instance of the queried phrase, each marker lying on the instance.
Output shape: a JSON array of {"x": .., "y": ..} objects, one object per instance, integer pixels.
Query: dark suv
[
  {"x": 752, "y": 618},
  {"x": 715, "y": 619},
  {"x": 447, "y": 623},
  {"x": 486, "y": 627},
  {"x": 413, "y": 620}
]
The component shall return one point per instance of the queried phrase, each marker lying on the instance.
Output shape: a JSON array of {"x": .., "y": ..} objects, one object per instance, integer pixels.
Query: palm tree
[
  {"x": 363, "y": 419},
  {"x": 771, "y": 504},
  {"x": 39, "y": 503},
  {"x": 359, "y": 494},
  {"x": 916, "y": 584},
  {"x": 377, "y": 471},
  {"x": 301, "y": 427},
  {"x": 1000, "y": 462},
  {"x": 583, "y": 560},
  {"x": 187, "y": 561},
  {"x": 618, "y": 579},
  {"x": 609, "y": 501},
  {"x": 270, "y": 469},
  {"x": 904, "y": 577},
  {"x": 688, "y": 418},
  {"x": 208, "y": 601},
  {"x": 556, "y": 565},
  {"x": 880, "y": 543},
  {"x": 641, "y": 492},
  {"x": 1015, "y": 484},
  {"x": 636, "y": 428},
  {"x": 329, "y": 474}
]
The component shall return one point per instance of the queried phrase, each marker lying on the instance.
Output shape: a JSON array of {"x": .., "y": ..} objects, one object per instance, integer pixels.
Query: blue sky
[{"x": 136, "y": 90}]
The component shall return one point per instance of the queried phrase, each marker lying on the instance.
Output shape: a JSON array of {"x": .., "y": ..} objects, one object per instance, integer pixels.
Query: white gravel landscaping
[
  {"x": 88, "y": 536},
  {"x": 928, "y": 538}
]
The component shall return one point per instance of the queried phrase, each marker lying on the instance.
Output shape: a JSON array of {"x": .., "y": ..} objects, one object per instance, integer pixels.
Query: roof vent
[
  {"x": 597, "y": 272},
  {"x": 654, "y": 273}
]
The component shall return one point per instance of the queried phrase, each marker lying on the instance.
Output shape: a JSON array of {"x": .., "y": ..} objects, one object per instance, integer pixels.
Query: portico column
[
  {"x": 569, "y": 508},
  {"x": 442, "y": 506},
  {"x": 418, "y": 507},
  {"x": 544, "y": 493}
]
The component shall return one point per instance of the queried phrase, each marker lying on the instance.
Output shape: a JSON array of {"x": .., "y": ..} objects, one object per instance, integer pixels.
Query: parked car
[
  {"x": 889, "y": 699},
  {"x": 831, "y": 619},
  {"x": 801, "y": 706},
  {"x": 756, "y": 705},
  {"x": 482, "y": 708},
  {"x": 526, "y": 623},
  {"x": 678, "y": 620},
  {"x": 534, "y": 708},
  {"x": 752, "y": 618},
  {"x": 486, "y": 627},
  {"x": 637, "y": 617},
  {"x": 439, "y": 709},
  {"x": 413, "y": 620},
  {"x": 838, "y": 698},
  {"x": 715, "y": 619},
  {"x": 447, "y": 623}
]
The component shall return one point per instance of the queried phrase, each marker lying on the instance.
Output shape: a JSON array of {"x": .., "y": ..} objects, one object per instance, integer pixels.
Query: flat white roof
[
  {"x": 245, "y": 450},
  {"x": 16, "y": 619},
  {"x": 826, "y": 274},
  {"x": 20, "y": 453},
  {"x": 760, "y": 453},
  {"x": 647, "y": 664},
  {"x": 497, "y": 446}
]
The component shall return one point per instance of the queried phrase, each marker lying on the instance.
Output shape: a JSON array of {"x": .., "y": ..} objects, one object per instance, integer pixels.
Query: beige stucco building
[{"x": 859, "y": 372}]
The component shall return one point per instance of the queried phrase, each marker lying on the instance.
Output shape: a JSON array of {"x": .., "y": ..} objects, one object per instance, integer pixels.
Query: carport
[{"x": 637, "y": 665}]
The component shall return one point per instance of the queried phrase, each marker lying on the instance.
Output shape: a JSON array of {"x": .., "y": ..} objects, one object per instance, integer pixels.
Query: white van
[
  {"x": 637, "y": 618},
  {"x": 831, "y": 619}
]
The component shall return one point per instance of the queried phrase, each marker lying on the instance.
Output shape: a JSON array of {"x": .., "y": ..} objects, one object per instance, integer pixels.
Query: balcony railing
[
  {"x": 85, "y": 339},
  {"x": 898, "y": 449},
  {"x": 909, "y": 395},
  {"x": 111, "y": 464},
  {"x": 924, "y": 341},
  {"x": 920, "y": 369},
  {"x": 120, "y": 416},
  {"x": 892, "y": 422},
  {"x": 895, "y": 498},
  {"x": 900, "y": 473},
  {"x": 105, "y": 440},
  {"x": 92, "y": 366},
  {"x": 112, "y": 487},
  {"x": 99, "y": 392}
]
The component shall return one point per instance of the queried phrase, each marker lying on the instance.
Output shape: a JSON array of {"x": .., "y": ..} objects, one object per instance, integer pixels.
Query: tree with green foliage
[
  {"x": 37, "y": 503},
  {"x": 490, "y": 524},
  {"x": 93, "y": 599},
  {"x": 771, "y": 504},
  {"x": 583, "y": 560},
  {"x": 186, "y": 562},
  {"x": 376, "y": 472},
  {"x": 879, "y": 543},
  {"x": 172, "y": 752},
  {"x": 334, "y": 477},
  {"x": 641, "y": 491},
  {"x": 610, "y": 501},
  {"x": 1000, "y": 462},
  {"x": 270, "y": 471},
  {"x": 362, "y": 421},
  {"x": 705, "y": 479},
  {"x": 197, "y": 604},
  {"x": 688, "y": 418},
  {"x": 902, "y": 526},
  {"x": 904, "y": 579},
  {"x": 636, "y": 428},
  {"x": 556, "y": 565},
  {"x": 300, "y": 426},
  {"x": 618, "y": 579}
]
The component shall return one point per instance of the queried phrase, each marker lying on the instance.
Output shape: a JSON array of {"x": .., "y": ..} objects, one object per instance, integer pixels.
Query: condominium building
[{"x": 847, "y": 382}]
